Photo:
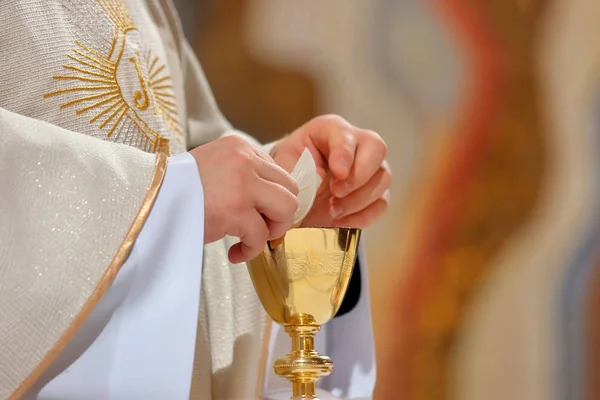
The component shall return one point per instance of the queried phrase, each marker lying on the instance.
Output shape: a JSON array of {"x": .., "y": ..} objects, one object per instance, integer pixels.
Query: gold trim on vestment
[{"x": 105, "y": 282}]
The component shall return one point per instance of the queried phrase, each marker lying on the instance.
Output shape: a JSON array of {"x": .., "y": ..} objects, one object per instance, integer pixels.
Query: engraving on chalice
[{"x": 301, "y": 282}]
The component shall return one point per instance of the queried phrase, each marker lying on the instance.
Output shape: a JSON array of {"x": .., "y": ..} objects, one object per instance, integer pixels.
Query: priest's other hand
[
  {"x": 246, "y": 195},
  {"x": 356, "y": 177}
]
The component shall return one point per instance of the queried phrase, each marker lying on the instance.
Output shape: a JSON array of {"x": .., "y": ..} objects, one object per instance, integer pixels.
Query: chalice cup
[{"x": 301, "y": 281}]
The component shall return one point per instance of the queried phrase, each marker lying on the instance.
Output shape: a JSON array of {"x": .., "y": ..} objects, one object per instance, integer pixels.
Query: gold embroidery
[
  {"x": 114, "y": 103},
  {"x": 162, "y": 90},
  {"x": 144, "y": 93},
  {"x": 118, "y": 14}
]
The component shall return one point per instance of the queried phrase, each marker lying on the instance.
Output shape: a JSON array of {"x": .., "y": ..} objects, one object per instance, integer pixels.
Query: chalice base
[{"x": 303, "y": 366}]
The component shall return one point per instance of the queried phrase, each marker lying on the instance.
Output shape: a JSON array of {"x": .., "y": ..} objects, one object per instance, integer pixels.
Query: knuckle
[
  {"x": 377, "y": 142},
  {"x": 244, "y": 162},
  {"x": 333, "y": 120},
  {"x": 239, "y": 148},
  {"x": 380, "y": 147},
  {"x": 235, "y": 141},
  {"x": 349, "y": 139}
]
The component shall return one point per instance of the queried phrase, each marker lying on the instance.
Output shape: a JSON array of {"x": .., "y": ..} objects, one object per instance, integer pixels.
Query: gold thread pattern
[
  {"x": 94, "y": 78},
  {"x": 161, "y": 88},
  {"x": 143, "y": 95},
  {"x": 118, "y": 14}
]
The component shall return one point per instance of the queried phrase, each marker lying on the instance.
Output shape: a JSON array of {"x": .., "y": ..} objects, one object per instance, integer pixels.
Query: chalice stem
[
  {"x": 303, "y": 366},
  {"x": 304, "y": 390},
  {"x": 303, "y": 343},
  {"x": 303, "y": 337}
]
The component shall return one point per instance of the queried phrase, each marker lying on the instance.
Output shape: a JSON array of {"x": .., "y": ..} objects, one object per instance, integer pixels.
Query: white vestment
[{"x": 102, "y": 232}]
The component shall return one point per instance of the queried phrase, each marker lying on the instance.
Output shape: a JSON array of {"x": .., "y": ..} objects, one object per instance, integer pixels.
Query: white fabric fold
[{"x": 139, "y": 341}]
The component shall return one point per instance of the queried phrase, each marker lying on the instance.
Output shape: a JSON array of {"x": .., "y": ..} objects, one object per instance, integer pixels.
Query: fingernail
[
  {"x": 336, "y": 211},
  {"x": 342, "y": 189}
]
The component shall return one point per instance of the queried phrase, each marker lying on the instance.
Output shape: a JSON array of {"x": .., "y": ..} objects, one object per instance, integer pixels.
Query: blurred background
[{"x": 485, "y": 277}]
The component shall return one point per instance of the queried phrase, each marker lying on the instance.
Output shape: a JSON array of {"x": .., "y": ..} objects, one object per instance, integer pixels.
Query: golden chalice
[{"x": 301, "y": 281}]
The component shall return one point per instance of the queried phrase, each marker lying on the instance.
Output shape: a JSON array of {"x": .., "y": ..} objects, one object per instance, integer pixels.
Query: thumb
[{"x": 286, "y": 158}]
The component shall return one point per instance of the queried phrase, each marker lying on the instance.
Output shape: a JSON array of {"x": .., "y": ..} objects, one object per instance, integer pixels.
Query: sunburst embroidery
[
  {"x": 94, "y": 79},
  {"x": 164, "y": 97},
  {"x": 118, "y": 13}
]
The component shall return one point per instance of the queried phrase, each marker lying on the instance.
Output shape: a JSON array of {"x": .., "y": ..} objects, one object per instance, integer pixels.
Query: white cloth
[{"x": 139, "y": 341}]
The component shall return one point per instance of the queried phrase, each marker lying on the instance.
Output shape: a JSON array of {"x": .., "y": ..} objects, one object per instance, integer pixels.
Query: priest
[{"x": 128, "y": 206}]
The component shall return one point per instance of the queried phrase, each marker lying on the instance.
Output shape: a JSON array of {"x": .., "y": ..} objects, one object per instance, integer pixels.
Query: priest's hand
[
  {"x": 246, "y": 195},
  {"x": 351, "y": 161}
]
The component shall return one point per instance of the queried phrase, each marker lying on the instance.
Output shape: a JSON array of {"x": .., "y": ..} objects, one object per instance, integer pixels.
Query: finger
[
  {"x": 366, "y": 217},
  {"x": 370, "y": 154},
  {"x": 335, "y": 138},
  {"x": 362, "y": 197},
  {"x": 287, "y": 158},
  {"x": 277, "y": 204},
  {"x": 254, "y": 235},
  {"x": 270, "y": 171}
]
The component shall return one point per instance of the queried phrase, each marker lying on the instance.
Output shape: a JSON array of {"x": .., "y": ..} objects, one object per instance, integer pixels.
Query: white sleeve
[
  {"x": 139, "y": 341},
  {"x": 350, "y": 344},
  {"x": 347, "y": 339}
]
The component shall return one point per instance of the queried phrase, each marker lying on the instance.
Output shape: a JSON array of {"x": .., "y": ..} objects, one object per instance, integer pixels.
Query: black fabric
[{"x": 352, "y": 293}]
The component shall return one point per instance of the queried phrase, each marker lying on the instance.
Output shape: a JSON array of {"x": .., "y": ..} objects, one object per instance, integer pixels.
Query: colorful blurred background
[{"x": 485, "y": 274}]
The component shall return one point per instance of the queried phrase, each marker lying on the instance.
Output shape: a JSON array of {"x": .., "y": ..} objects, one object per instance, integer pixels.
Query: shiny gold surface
[{"x": 301, "y": 282}]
